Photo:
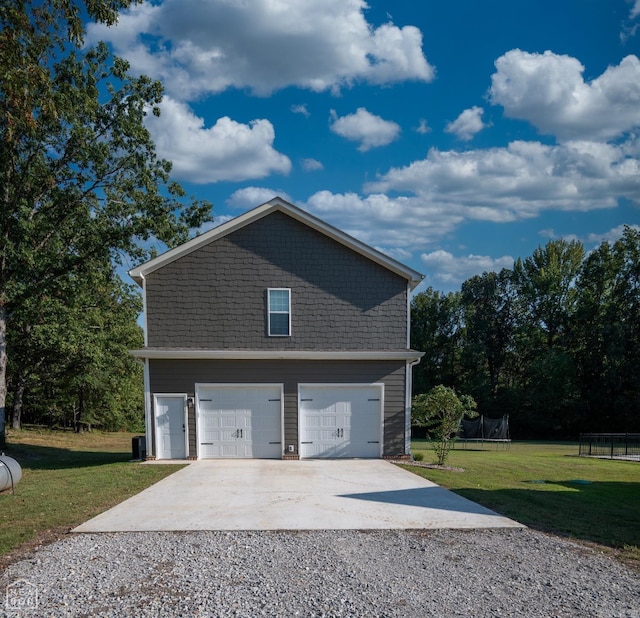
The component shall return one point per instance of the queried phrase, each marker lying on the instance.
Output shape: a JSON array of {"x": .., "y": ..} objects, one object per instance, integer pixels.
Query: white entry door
[
  {"x": 171, "y": 426},
  {"x": 341, "y": 420},
  {"x": 239, "y": 420}
]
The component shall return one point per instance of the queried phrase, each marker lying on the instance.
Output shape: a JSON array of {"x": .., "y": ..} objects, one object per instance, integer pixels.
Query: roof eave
[
  {"x": 277, "y": 204},
  {"x": 201, "y": 354}
]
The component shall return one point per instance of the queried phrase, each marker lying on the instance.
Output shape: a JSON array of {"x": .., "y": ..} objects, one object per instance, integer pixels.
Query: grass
[
  {"x": 546, "y": 486},
  {"x": 67, "y": 478}
]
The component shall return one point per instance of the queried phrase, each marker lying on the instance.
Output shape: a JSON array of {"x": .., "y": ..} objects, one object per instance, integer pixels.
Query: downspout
[
  {"x": 147, "y": 385},
  {"x": 407, "y": 416},
  {"x": 409, "y": 378},
  {"x": 144, "y": 310}
]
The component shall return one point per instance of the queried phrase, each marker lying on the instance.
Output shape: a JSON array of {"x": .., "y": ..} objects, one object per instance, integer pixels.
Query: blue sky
[{"x": 453, "y": 136}]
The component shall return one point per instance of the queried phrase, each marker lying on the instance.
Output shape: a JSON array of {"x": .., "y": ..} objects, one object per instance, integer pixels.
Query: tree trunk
[
  {"x": 3, "y": 372},
  {"x": 18, "y": 394},
  {"x": 80, "y": 413}
]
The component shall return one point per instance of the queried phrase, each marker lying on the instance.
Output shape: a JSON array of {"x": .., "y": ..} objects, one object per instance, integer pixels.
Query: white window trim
[{"x": 269, "y": 312}]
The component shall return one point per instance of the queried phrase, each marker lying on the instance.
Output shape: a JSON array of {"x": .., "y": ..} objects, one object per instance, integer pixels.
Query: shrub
[{"x": 441, "y": 410}]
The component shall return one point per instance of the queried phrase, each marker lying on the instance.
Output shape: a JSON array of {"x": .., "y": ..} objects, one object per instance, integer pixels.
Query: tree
[
  {"x": 546, "y": 286},
  {"x": 70, "y": 360},
  {"x": 488, "y": 308},
  {"x": 80, "y": 180},
  {"x": 441, "y": 410},
  {"x": 606, "y": 335},
  {"x": 547, "y": 295},
  {"x": 436, "y": 323}
]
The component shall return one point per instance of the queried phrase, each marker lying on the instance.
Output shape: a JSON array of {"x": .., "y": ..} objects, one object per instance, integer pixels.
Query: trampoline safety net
[{"x": 483, "y": 428}]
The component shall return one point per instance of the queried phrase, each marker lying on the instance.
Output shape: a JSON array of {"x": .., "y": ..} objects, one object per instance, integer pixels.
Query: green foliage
[
  {"x": 70, "y": 354},
  {"x": 441, "y": 410},
  {"x": 554, "y": 342},
  {"x": 436, "y": 321},
  {"x": 81, "y": 186}
]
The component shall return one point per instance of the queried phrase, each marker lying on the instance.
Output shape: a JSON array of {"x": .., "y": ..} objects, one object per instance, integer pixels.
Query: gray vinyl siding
[
  {"x": 215, "y": 297},
  {"x": 181, "y": 376}
]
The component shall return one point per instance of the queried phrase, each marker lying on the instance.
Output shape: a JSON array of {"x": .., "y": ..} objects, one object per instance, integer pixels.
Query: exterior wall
[
  {"x": 215, "y": 297},
  {"x": 181, "y": 376}
]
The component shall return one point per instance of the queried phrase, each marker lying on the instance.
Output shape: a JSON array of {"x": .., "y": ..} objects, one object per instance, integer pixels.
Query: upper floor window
[{"x": 279, "y": 306}]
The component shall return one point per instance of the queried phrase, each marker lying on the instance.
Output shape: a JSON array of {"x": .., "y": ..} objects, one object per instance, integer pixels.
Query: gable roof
[{"x": 277, "y": 204}]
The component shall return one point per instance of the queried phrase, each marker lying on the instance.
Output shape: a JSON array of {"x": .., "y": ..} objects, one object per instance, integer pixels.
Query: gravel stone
[{"x": 382, "y": 573}]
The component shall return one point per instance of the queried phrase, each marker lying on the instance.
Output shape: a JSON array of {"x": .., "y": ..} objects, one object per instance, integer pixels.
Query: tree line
[
  {"x": 81, "y": 190},
  {"x": 554, "y": 342}
]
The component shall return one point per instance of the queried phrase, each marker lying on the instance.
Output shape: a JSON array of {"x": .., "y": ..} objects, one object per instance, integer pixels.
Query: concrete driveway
[{"x": 264, "y": 494}]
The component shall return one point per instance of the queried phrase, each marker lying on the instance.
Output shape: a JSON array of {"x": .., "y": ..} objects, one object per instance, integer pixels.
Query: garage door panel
[
  {"x": 349, "y": 417},
  {"x": 249, "y": 418}
]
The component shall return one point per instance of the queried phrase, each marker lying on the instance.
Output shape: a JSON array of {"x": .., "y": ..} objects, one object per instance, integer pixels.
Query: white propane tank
[{"x": 10, "y": 472}]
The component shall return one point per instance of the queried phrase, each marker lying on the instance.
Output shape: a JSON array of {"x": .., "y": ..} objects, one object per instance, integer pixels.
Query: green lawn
[
  {"x": 546, "y": 486},
  {"x": 68, "y": 478}
]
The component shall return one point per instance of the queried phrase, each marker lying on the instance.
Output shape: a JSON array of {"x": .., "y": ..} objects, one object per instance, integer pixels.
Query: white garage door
[
  {"x": 239, "y": 420},
  {"x": 341, "y": 420}
]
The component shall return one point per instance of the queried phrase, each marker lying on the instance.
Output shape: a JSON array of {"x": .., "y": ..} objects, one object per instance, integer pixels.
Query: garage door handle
[
  {"x": 275, "y": 442},
  {"x": 373, "y": 442},
  {"x": 306, "y": 442},
  {"x": 306, "y": 400}
]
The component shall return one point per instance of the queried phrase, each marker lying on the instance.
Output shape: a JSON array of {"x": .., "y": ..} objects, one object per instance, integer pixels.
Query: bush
[{"x": 440, "y": 410}]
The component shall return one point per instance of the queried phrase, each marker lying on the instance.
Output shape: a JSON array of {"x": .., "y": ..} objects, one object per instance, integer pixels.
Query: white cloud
[
  {"x": 595, "y": 238},
  {"x": 629, "y": 28},
  {"x": 519, "y": 181},
  {"x": 423, "y": 127},
  {"x": 444, "y": 267},
  {"x": 228, "y": 150},
  {"x": 611, "y": 236},
  {"x": 467, "y": 124},
  {"x": 311, "y": 165},
  {"x": 250, "y": 197},
  {"x": 396, "y": 225},
  {"x": 410, "y": 208},
  {"x": 370, "y": 130},
  {"x": 300, "y": 109},
  {"x": 549, "y": 91},
  {"x": 198, "y": 47}
]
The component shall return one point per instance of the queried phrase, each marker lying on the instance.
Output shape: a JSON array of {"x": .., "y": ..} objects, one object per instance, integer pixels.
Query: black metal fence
[{"x": 611, "y": 445}]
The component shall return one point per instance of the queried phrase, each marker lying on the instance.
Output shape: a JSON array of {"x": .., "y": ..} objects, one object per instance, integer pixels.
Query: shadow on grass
[
  {"x": 32, "y": 457},
  {"x": 607, "y": 513}
]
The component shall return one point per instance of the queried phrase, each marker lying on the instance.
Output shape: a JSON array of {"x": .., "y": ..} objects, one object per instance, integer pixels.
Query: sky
[{"x": 453, "y": 136}]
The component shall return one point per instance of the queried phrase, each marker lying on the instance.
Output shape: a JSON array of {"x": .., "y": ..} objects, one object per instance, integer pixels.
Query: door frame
[
  {"x": 185, "y": 408},
  {"x": 200, "y": 385},
  {"x": 329, "y": 385}
]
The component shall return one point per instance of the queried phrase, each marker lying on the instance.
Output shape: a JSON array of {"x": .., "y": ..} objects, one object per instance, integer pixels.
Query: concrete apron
[{"x": 261, "y": 494}]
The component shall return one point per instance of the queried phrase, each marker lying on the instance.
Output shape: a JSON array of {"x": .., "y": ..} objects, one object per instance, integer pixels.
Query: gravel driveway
[{"x": 502, "y": 572}]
